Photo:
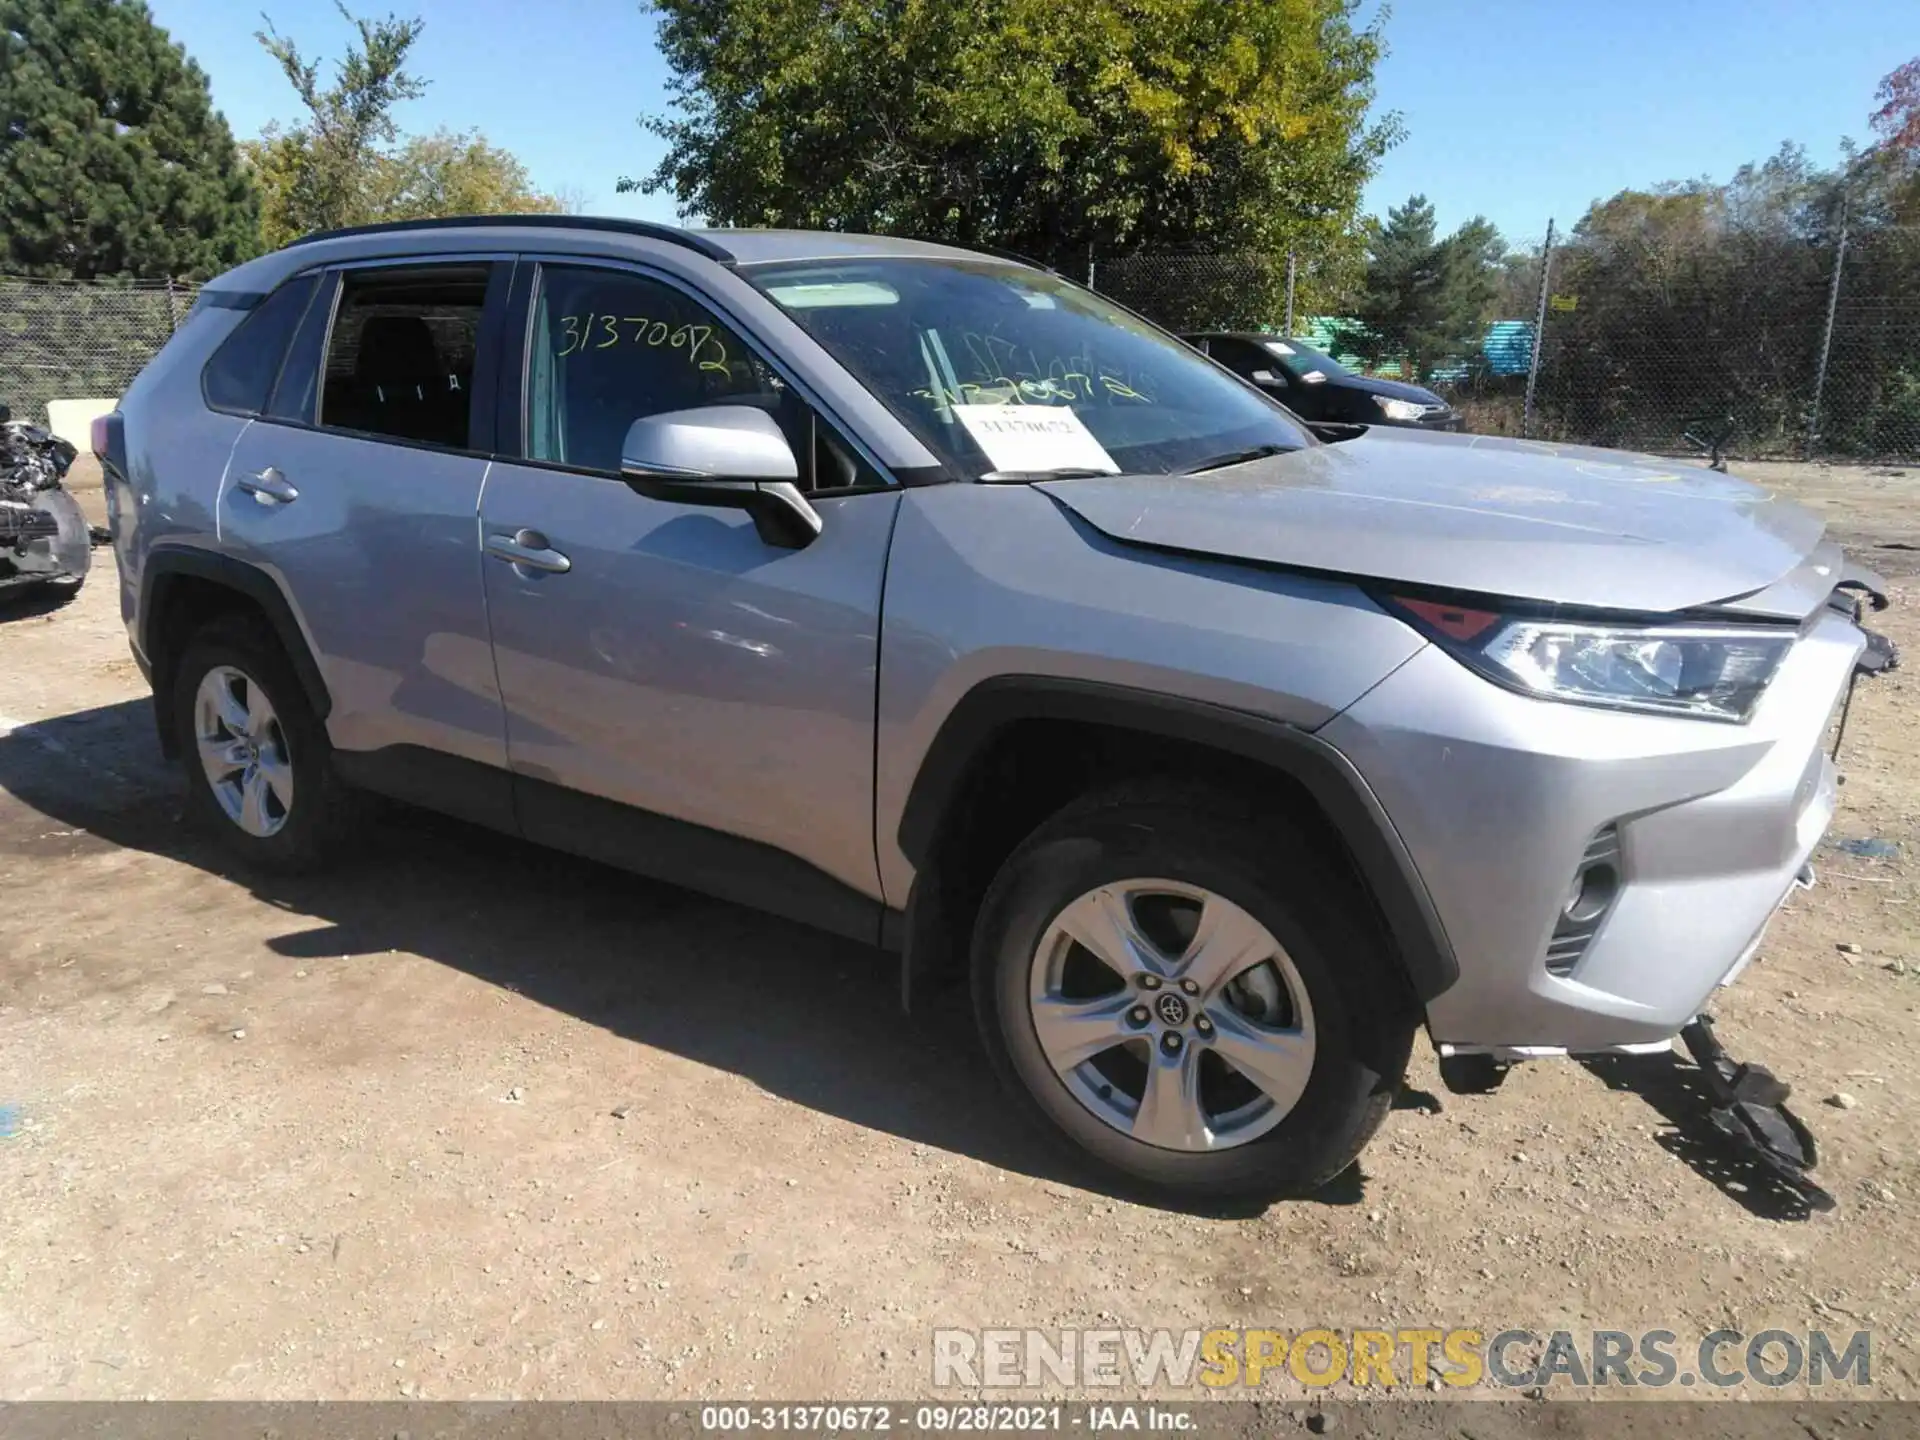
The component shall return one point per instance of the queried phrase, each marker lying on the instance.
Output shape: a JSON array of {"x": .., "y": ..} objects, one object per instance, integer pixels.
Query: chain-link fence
[
  {"x": 1787, "y": 347},
  {"x": 1784, "y": 347},
  {"x": 1188, "y": 292},
  {"x": 70, "y": 340}
]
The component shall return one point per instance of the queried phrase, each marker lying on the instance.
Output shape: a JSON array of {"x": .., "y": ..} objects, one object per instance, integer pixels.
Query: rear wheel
[
  {"x": 258, "y": 766},
  {"x": 1190, "y": 995}
]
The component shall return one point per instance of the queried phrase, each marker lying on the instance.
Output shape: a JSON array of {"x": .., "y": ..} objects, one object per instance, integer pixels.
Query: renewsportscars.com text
[{"x": 1418, "y": 1357}]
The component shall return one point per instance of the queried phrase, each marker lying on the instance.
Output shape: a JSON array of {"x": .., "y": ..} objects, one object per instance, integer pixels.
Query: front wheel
[{"x": 1190, "y": 995}]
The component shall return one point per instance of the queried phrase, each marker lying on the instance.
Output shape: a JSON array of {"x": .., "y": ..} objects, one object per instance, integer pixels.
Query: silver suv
[{"x": 930, "y": 598}]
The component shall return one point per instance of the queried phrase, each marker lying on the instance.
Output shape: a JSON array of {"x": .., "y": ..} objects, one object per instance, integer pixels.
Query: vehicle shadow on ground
[
  {"x": 30, "y": 602},
  {"x": 1676, "y": 1090},
  {"x": 808, "y": 1016}
]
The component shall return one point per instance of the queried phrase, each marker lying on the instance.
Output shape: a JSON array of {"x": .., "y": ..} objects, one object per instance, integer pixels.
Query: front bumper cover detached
[
  {"x": 1750, "y": 1109},
  {"x": 1749, "y": 1103}
]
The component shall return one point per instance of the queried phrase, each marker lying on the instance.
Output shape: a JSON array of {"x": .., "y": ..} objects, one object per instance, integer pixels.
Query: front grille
[{"x": 1598, "y": 880}]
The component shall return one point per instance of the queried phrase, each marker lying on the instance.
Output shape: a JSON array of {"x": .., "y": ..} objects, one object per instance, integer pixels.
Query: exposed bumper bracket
[
  {"x": 1750, "y": 1109},
  {"x": 1880, "y": 656}
]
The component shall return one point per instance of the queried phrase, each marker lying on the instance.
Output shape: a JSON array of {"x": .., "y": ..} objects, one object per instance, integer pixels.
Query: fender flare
[
  {"x": 1324, "y": 772},
  {"x": 168, "y": 564}
]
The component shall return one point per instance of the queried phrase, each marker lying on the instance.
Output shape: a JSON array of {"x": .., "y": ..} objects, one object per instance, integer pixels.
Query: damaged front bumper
[
  {"x": 1750, "y": 1109},
  {"x": 44, "y": 537},
  {"x": 1746, "y": 1103}
]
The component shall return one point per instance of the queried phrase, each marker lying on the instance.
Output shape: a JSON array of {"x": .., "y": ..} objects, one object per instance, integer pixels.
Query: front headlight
[
  {"x": 1713, "y": 672},
  {"x": 1399, "y": 409}
]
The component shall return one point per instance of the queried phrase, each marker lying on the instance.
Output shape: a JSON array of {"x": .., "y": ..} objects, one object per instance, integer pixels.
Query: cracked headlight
[
  {"x": 1712, "y": 672},
  {"x": 1399, "y": 409}
]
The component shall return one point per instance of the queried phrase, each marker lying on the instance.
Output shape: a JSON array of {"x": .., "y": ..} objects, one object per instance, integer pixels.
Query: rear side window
[
  {"x": 401, "y": 355},
  {"x": 241, "y": 373}
]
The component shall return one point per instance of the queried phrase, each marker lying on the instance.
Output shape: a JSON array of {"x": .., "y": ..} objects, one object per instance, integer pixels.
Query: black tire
[
  {"x": 323, "y": 808},
  {"x": 1364, "y": 1014}
]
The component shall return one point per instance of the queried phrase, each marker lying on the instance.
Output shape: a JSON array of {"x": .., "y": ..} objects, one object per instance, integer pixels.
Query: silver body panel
[
  {"x": 988, "y": 581},
  {"x": 678, "y": 664},
  {"x": 685, "y": 667},
  {"x": 1497, "y": 794},
  {"x": 378, "y": 558},
  {"x": 172, "y": 485},
  {"x": 1477, "y": 513}
]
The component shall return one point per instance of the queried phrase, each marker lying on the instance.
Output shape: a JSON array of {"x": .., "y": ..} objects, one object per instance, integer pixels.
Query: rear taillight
[{"x": 107, "y": 436}]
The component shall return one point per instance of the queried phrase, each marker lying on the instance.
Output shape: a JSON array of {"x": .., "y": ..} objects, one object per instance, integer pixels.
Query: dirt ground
[{"x": 469, "y": 1119}]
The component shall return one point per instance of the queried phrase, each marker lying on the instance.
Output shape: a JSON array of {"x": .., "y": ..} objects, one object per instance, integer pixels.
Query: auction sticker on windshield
[{"x": 1034, "y": 437}]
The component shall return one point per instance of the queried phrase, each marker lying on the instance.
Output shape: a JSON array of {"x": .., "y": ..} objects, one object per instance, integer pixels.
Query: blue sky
[{"x": 1515, "y": 109}]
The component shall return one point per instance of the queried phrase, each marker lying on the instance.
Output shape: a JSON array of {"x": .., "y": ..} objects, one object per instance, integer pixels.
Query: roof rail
[
  {"x": 647, "y": 229},
  {"x": 997, "y": 253}
]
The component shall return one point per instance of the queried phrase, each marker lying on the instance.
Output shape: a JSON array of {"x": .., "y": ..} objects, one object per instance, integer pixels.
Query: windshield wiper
[
  {"x": 1237, "y": 457},
  {"x": 1027, "y": 477}
]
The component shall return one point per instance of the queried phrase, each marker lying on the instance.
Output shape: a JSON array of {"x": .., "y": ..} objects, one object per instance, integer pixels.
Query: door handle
[
  {"x": 528, "y": 548},
  {"x": 269, "y": 487}
]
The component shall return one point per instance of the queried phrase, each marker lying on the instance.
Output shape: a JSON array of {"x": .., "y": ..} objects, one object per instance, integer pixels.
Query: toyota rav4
[{"x": 929, "y": 597}]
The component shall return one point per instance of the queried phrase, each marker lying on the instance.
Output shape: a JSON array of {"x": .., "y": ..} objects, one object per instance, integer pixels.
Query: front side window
[
  {"x": 401, "y": 353},
  {"x": 610, "y": 347},
  {"x": 940, "y": 341}
]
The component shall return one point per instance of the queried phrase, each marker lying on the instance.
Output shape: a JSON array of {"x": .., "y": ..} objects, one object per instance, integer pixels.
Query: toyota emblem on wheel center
[{"x": 1173, "y": 1010}]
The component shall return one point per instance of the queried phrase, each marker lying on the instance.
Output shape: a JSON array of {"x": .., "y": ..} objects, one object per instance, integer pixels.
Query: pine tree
[
  {"x": 1426, "y": 299},
  {"x": 113, "y": 161}
]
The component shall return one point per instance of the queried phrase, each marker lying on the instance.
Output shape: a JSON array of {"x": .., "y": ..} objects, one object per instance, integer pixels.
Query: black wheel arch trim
[
  {"x": 165, "y": 565},
  {"x": 1321, "y": 769}
]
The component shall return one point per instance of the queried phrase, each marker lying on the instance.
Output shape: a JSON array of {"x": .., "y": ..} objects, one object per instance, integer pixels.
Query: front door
[
  {"x": 681, "y": 696},
  {"x": 358, "y": 494}
]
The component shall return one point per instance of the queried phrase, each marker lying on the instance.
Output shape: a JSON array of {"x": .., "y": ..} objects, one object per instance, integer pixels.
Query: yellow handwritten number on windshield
[{"x": 696, "y": 344}]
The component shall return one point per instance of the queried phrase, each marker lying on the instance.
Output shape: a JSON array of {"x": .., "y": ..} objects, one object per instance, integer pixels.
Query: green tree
[
  {"x": 455, "y": 173},
  {"x": 346, "y": 162},
  {"x": 320, "y": 173},
  {"x": 1426, "y": 299},
  {"x": 1067, "y": 132},
  {"x": 113, "y": 161}
]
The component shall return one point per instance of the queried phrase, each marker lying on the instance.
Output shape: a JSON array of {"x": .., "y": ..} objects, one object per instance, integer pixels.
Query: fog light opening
[
  {"x": 1595, "y": 886},
  {"x": 1592, "y": 891}
]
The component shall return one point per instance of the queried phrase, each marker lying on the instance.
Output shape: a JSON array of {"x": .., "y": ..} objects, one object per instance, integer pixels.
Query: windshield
[
  {"x": 1008, "y": 372},
  {"x": 1301, "y": 359}
]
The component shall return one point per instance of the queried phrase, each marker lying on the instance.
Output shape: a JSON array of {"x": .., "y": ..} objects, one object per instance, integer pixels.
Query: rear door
[
  {"x": 682, "y": 697},
  {"x": 358, "y": 492}
]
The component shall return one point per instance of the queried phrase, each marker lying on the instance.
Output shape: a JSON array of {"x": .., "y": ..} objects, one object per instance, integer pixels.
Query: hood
[
  {"x": 1395, "y": 389},
  {"x": 1568, "y": 525}
]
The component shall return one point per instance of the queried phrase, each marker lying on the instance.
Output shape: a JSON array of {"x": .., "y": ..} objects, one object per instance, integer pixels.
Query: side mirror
[{"x": 727, "y": 455}]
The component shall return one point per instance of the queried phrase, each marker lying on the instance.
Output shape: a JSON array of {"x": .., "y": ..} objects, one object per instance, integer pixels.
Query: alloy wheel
[
  {"x": 243, "y": 751},
  {"x": 1172, "y": 1015}
]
